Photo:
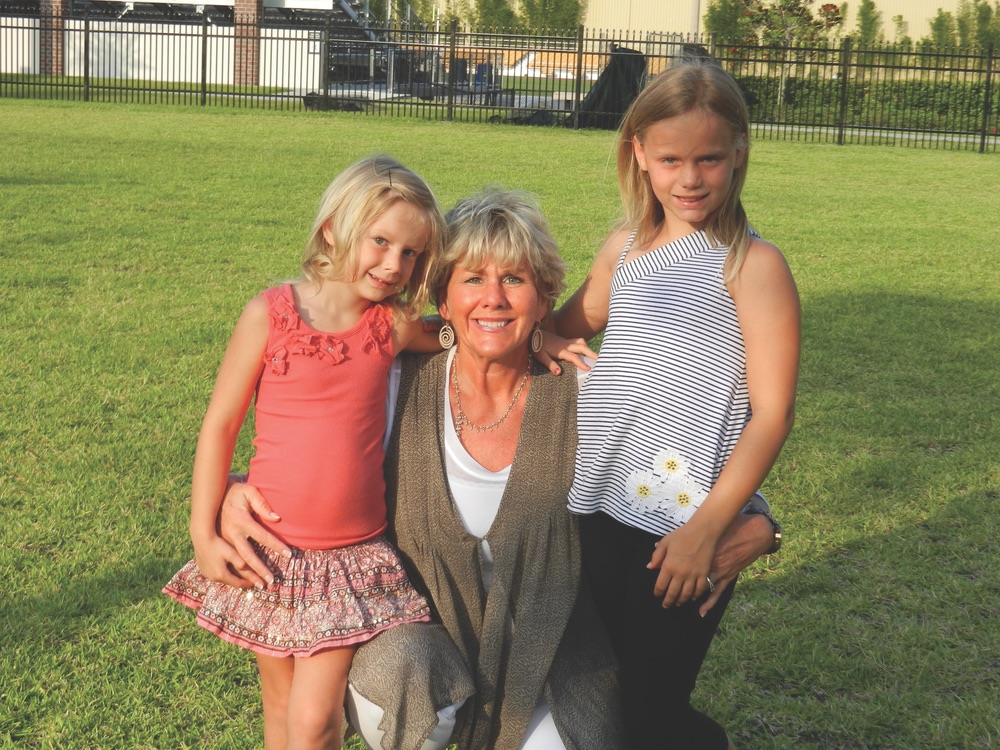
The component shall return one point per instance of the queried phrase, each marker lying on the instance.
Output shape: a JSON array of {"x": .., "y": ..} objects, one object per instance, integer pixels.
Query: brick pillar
[
  {"x": 50, "y": 51},
  {"x": 246, "y": 54}
]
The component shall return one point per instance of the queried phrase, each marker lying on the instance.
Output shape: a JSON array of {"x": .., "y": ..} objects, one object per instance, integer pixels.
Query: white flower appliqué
[
  {"x": 670, "y": 463},
  {"x": 644, "y": 491},
  {"x": 668, "y": 487},
  {"x": 683, "y": 496}
]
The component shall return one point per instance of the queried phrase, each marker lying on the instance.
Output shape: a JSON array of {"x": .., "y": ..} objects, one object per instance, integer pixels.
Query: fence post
[
  {"x": 451, "y": 69},
  {"x": 86, "y": 55},
  {"x": 845, "y": 72},
  {"x": 204, "y": 59},
  {"x": 579, "y": 77},
  {"x": 324, "y": 71},
  {"x": 986, "y": 98},
  {"x": 713, "y": 44}
]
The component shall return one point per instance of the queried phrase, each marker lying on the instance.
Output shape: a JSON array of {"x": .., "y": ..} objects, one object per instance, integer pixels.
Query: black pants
[{"x": 660, "y": 650}]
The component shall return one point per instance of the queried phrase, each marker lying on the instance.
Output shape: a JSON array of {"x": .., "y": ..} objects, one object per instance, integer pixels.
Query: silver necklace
[{"x": 462, "y": 421}]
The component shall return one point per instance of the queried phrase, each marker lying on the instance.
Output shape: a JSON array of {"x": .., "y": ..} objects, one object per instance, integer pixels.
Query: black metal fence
[{"x": 833, "y": 94}]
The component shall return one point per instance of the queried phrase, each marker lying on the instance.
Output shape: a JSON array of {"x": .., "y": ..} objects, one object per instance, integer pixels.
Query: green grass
[{"x": 132, "y": 236}]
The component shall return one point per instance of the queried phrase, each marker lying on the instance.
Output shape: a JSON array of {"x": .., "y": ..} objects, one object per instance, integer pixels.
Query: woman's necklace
[{"x": 462, "y": 421}]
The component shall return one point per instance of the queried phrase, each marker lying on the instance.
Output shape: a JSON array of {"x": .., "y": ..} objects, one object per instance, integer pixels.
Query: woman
[{"x": 477, "y": 472}]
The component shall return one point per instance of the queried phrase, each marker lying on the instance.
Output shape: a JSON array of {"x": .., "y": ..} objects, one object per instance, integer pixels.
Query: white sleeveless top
[{"x": 667, "y": 400}]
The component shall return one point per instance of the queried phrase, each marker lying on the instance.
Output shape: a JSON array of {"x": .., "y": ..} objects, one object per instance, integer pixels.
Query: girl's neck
[
  {"x": 662, "y": 235},
  {"x": 329, "y": 305}
]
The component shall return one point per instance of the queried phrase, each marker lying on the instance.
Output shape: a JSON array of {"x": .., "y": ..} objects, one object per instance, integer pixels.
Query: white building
[{"x": 687, "y": 16}]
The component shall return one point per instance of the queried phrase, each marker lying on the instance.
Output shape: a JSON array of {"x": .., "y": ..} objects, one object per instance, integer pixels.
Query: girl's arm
[
  {"x": 419, "y": 336},
  {"x": 585, "y": 313},
  {"x": 767, "y": 307},
  {"x": 239, "y": 372}
]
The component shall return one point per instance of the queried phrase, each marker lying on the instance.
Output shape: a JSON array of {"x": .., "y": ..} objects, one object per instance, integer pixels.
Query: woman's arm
[
  {"x": 238, "y": 523},
  {"x": 767, "y": 307},
  {"x": 234, "y": 387}
]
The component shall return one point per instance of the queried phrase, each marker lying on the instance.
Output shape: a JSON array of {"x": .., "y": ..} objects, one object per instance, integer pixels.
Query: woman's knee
[{"x": 366, "y": 716}]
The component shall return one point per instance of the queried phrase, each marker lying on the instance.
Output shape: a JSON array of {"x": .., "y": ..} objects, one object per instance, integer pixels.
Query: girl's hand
[
  {"x": 241, "y": 507},
  {"x": 555, "y": 347},
  {"x": 684, "y": 557}
]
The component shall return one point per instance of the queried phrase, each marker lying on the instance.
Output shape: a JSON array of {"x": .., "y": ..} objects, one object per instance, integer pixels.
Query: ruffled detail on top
[{"x": 326, "y": 347}]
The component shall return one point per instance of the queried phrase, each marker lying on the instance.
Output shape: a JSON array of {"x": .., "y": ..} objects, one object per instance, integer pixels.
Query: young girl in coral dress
[{"x": 313, "y": 355}]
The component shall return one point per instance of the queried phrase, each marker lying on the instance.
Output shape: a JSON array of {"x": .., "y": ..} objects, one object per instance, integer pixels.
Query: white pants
[{"x": 366, "y": 716}]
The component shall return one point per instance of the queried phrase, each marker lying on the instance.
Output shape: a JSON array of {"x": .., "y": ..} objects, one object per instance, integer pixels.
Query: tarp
[{"x": 614, "y": 90}]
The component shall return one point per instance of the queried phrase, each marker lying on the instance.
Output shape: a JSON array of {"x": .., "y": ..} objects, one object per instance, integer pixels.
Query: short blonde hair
[
  {"x": 505, "y": 227},
  {"x": 355, "y": 199},
  {"x": 692, "y": 83}
]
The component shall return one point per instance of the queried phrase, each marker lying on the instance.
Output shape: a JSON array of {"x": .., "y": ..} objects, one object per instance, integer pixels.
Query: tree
[
  {"x": 901, "y": 27},
  {"x": 984, "y": 25},
  {"x": 965, "y": 22},
  {"x": 788, "y": 22},
  {"x": 552, "y": 14},
  {"x": 495, "y": 13},
  {"x": 772, "y": 22},
  {"x": 730, "y": 20},
  {"x": 943, "y": 31},
  {"x": 869, "y": 23}
]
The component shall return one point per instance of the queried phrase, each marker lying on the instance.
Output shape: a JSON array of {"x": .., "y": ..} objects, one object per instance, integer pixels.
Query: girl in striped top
[{"x": 692, "y": 397}]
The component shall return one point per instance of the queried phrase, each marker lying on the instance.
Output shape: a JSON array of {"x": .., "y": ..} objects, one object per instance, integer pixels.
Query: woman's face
[{"x": 493, "y": 310}]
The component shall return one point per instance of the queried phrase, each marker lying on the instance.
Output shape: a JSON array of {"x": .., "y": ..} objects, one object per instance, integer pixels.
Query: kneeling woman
[{"x": 478, "y": 469}]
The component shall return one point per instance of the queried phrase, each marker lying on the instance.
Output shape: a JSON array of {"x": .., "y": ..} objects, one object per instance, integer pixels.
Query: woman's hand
[
  {"x": 218, "y": 561},
  {"x": 745, "y": 541},
  {"x": 555, "y": 347},
  {"x": 238, "y": 524},
  {"x": 684, "y": 557}
]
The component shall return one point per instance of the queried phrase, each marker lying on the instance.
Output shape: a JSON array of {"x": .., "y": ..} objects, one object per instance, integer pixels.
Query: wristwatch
[{"x": 752, "y": 510}]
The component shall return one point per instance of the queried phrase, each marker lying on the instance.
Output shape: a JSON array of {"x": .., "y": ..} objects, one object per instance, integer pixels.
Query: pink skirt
[{"x": 320, "y": 599}]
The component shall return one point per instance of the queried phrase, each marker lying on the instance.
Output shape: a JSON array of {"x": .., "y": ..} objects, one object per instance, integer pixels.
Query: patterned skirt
[{"x": 320, "y": 599}]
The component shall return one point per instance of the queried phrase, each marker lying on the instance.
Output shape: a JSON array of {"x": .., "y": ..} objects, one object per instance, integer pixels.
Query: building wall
[{"x": 678, "y": 16}]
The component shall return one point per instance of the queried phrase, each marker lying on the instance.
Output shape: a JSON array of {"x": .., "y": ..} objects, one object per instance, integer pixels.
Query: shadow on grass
[
  {"x": 64, "y": 610},
  {"x": 874, "y": 628}
]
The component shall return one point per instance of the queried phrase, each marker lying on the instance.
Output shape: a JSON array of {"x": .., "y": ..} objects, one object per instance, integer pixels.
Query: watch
[{"x": 754, "y": 511}]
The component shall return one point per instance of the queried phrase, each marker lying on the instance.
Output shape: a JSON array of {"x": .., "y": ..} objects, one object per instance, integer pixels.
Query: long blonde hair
[
  {"x": 687, "y": 85},
  {"x": 355, "y": 199}
]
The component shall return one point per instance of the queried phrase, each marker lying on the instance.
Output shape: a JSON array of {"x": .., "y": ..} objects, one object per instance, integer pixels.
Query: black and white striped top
[{"x": 667, "y": 400}]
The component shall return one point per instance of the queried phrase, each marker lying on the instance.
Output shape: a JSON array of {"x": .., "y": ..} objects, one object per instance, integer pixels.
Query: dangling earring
[
  {"x": 537, "y": 339},
  {"x": 446, "y": 336}
]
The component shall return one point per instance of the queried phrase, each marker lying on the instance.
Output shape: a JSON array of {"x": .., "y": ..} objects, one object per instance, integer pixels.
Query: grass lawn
[{"x": 132, "y": 237}]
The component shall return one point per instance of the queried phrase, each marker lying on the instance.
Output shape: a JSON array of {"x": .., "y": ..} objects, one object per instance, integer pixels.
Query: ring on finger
[{"x": 711, "y": 586}]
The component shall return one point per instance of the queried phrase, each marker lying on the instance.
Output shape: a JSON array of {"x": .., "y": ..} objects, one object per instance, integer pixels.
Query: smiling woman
[{"x": 477, "y": 470}]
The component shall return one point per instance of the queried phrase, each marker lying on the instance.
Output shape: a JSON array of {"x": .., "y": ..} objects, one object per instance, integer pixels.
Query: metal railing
[{"x": 832, "y": 94}]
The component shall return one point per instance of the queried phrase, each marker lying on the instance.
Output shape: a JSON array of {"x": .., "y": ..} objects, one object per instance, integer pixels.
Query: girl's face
[
  {"x": 493, "y": 310},
  {"x": 388, "y": 252},
  {"x": 690, "y": 160}
]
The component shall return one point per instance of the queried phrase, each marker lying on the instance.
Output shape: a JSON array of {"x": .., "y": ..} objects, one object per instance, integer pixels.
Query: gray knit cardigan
[{"x": 536, "y": 633}]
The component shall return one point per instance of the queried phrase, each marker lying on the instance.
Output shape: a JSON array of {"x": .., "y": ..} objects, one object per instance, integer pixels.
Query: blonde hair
[
  {"x": 687, "y": 85},
  {"x": 357, "y": 197},
  {"x": 505, "y": 227}
]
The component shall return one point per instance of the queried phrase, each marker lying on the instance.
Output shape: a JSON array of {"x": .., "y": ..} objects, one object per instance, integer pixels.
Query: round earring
[
  {"x": 537, "y": 339},
  {"x": 446, "y": 336}
]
